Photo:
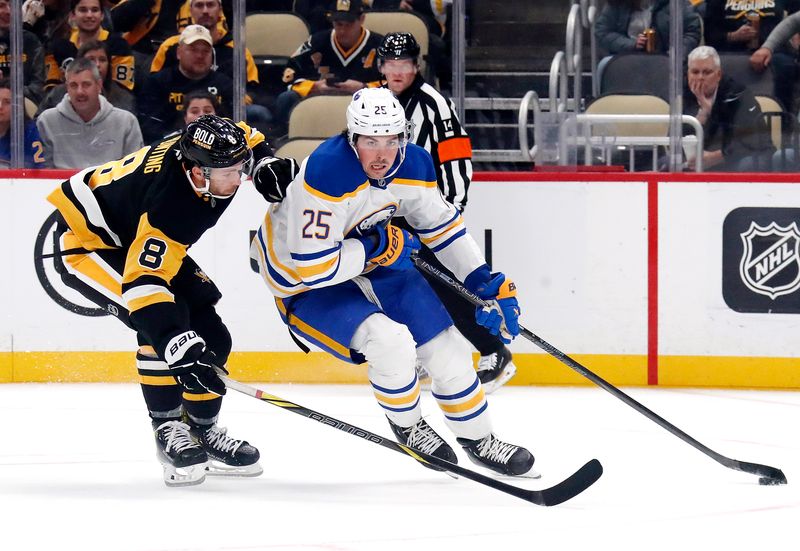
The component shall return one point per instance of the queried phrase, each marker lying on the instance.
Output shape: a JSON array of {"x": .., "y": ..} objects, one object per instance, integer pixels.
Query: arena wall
[{"x": 647, "y": 279}]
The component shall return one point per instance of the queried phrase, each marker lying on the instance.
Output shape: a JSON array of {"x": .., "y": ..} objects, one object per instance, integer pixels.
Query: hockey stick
[
  {"x": 561, "y": 492},
  {"x": 768, "y": 475}
]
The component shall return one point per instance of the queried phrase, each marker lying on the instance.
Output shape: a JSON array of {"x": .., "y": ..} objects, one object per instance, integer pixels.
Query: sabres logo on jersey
[{"x": 377, "y": 218}]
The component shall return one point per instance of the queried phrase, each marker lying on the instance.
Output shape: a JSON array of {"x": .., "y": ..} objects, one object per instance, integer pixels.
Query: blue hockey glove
[
  {"x": 501, "y": 317},
  {"x": 394, "y": 248},
  {"x": 193, "y": 365}
]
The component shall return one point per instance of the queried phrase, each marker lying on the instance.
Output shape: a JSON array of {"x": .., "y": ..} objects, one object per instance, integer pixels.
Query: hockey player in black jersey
[
  {"x": 127, "y": 227},
  {"x": 437, "y": 128}
]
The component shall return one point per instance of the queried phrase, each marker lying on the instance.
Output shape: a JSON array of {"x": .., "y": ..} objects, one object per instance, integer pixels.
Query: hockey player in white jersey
[{"x": 344, "y": 279}]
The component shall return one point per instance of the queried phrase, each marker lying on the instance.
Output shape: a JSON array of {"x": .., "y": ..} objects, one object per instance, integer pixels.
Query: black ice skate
[
  {"x": 496, "y": 369},
  {"x": 503, "y": 458},
  {"x": 227, "y": 456},
  {"x": 423, "y": 438},
  {"x": 183, "y": 459}
]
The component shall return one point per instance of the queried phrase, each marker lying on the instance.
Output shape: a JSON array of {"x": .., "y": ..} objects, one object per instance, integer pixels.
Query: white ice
[{"x": 78, "y": 471}]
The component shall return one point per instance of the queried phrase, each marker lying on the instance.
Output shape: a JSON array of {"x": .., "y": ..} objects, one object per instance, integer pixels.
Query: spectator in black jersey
[
  {"x": 435, "y": 126},
  {"x": 341, "y": 61},
  {"x": 87, "y": 17},
  {"x": 116, "y": 94},
  {"x": 208, "y": 13},
  {"x": 161, "y": 100},
  {"x": 32, "y": 51},
  {"x": 735, "y": 134},
  {"x": 745, "y": 27},
  {"x": 145, "y": 24}
]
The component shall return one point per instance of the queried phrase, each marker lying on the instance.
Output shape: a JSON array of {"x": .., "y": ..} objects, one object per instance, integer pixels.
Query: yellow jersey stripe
[
  {"x": 200, "y": 397},
  {"x": 399, "y": 401},
  {"x": 331, "y": 198},
  {"x": 76, "y": 221},
  {"x": 91, "y": 269},
  {"x": 410, "y": 182},
  {"x": 147, "y": 300},
  {"x": 317, "y": 335},
  {"x": 166, "y": 380},
  {"x": 311, "y": 271},
  {"x": 433, "y": 238}
]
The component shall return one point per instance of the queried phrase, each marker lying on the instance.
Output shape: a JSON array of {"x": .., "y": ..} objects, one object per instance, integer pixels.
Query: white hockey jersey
[{"x": 311, "y": 238}]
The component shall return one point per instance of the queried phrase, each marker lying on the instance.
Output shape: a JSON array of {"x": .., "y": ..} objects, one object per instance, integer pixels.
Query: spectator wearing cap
[
  {"x": 84, "y": 129},
  {"x": 32, "y": 52},
  {"x": 87, "y": 16},
  {"x": 339, "y": 61},
  {"x": 161, "y": 100},
  {"x": 208, "y": 13}
]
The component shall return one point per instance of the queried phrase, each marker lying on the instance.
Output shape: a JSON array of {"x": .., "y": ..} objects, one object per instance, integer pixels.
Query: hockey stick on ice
[
  {"x": 561, "y": 492},
  {"x": 768, "y": 475}
]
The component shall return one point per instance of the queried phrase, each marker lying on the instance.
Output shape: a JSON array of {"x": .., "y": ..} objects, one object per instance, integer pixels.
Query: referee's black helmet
[{"x": 398, "y": 46}]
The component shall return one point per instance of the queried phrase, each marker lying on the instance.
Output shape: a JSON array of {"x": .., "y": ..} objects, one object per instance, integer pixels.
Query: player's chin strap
[{"x": 205, "y": 191}]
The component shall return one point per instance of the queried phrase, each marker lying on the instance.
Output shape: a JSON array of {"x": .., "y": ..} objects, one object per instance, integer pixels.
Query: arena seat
[
  {"x": 636, "y": 73},
  {"x": 274, "y": 34},
  {"x": 318, "y": 117},
  {"x": 774, "y": 113},
  {"x": 632, "y": 104},
  {"x": 737, "y": 66},
  {"x": 298, "y": 148}
]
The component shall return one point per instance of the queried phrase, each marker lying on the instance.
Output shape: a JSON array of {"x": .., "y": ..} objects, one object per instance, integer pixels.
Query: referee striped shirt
[{"x": 437, "y": 128}]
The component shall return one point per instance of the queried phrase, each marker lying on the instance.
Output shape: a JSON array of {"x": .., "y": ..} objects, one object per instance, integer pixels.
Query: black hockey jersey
[
  {"x": 321, "y": 55},
  {"x": 144, "y": 203},
  {"x": 64, "y": 50},
  {"x": 161, "y": 99}
]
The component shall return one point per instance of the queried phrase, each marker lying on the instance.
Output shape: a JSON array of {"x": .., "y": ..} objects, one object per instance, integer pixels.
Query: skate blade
[
  {"x": 175, "y": 477},
  {"x": 217, "y": 468},
  {"x": 532, "y": 474},
  {"x": 509, "y": 371}
]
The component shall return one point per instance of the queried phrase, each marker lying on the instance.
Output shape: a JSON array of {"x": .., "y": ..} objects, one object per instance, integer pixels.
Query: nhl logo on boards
[
  {"x": 761, "y": 260},
  {"x": 771, "y": 261}
]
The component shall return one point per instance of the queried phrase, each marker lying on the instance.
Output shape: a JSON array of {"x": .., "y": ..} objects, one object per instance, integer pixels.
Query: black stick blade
[
  {"x": 569, "y": 487},
  {"x": 770, "y": 476}
]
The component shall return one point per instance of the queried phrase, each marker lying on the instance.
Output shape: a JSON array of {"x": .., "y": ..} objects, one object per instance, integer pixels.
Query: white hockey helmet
[{"x": 377, "y": 112}]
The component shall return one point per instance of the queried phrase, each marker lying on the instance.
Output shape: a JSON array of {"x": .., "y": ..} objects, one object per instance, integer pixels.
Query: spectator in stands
[
  {"x": 116, "y": 94},
  {"x": 208, "y": 13},
  {"x": 47, "y": 19},
  {"x": 735, "y": 134},
  {"x": 84, "y": 129},
  {"x": 34, "y": 151},
  {"x": 780, "y": 49},
  {"x": 735, "y": 27},
  {"x": 621, "y": 26},
  {"x": 341, "y": 61},
  {"x": 161, "y": 100},
  {"x": 32, "y": 51},
  {"x": 145, "y": 24},
  {"x": 87, "y": 17},
  {"x": 196, "y": 104}
]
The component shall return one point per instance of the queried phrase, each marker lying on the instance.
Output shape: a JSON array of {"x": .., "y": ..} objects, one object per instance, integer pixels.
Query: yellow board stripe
[{"x": 322, "y": 368}]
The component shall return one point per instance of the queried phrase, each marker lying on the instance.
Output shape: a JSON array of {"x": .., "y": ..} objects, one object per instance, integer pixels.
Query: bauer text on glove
[
  {"x": 193, "y": 365},
  {"x": 393, "y": 249}
]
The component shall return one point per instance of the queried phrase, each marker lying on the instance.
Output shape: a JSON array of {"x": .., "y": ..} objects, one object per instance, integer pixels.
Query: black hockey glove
[
  {"x": 272, "y": 175},
  {"x": 193, "y": 365}
]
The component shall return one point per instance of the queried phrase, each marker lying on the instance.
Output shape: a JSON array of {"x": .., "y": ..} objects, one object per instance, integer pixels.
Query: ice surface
[{"x": 78, "y": 471}]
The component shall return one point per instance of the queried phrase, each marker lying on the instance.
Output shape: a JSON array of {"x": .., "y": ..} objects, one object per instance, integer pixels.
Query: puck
[{"x": 766, "y": 481}]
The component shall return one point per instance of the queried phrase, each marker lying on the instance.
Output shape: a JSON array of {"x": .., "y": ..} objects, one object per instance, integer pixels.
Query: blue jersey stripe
[
  {"x": 438, "y": 248},
  {"x": 461, "y": 394},
  {"x": 439, "y": 227}
]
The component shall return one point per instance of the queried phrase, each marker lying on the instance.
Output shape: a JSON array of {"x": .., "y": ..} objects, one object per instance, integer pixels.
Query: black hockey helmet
[
  {"x": 214, "y": 142},
  {"x": 398, "y": 46}
]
